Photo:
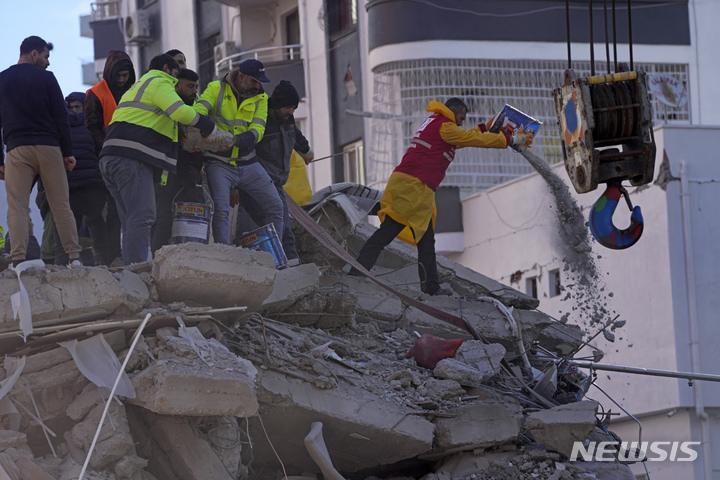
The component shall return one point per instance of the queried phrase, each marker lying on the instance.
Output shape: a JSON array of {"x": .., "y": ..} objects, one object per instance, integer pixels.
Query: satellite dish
[{"x": 668, "y": 90}]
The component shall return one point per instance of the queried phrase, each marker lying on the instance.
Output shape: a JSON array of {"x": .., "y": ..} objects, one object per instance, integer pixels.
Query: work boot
[
  {"x": 75, "y": 263},
  {"x": 440, "y": 291}
]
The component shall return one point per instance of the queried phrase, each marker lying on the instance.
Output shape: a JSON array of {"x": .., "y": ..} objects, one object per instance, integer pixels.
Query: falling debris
[{"x": 587, "y": 289}]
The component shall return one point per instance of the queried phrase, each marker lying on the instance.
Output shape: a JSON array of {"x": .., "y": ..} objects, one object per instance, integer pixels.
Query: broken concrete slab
[
  {"x": 373, "y": 301},
  {"x": 290, "y": 285},
  {"x": 325, "y": 309},
  {"x": 464, "y": 374},
  {"x": 174, "y": 447},
  {"x": 52, "y": 390},
  {"x": 559, "y": 427},
  {"x": 484, "y": 357},
  {"x": 491, "y": 324},
  {"x": 471, "y": 283},
  {"x": 216, "y": 275},
  {"x": 11, "y": 439},
  {"x": 478, "y": 425},
  {"x": 91, "y": 291},
  {"x": 114, "y": 442},
  {"x": 182, "y": 383},
  {"x": 44, "y": 360},
  {"x": 135, "y": 289},
  {"x": 361, "y": 430}
]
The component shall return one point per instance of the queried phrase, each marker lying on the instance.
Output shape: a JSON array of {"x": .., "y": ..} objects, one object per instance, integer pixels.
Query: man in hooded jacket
[
  {"x": 86, "y": 186},
  {"x": 100, "y": 104},
  {"x": 408, "y": 203}
]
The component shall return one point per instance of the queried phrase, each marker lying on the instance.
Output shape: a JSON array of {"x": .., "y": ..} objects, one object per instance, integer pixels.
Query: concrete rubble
[{"x": 239, "y": 360}]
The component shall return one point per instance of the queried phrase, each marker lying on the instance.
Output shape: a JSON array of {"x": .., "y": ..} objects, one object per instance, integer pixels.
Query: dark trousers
[
  {"x": 389, "y": 229},
  {"x": 255, "y": 211},
  {"x": 84, "y": 202},
  {"x": 105, "y": 230}
]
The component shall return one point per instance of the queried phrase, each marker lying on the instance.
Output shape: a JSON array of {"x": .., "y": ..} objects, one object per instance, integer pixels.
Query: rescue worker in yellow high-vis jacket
[
  {"x": 141, "y": 142},
  {"x": 408, "y": 203},
  {"x": 237, "y": 103}
]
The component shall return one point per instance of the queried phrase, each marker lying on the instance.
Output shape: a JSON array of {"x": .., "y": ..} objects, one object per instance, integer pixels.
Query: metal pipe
[
  {"x": 592, "y": 40},
  {"x": 567, "y": 30},
  {"x": 648, "y": 371},
  {"x": 614, "y": 37},
  {"x": 630, "y": 34},
  {"x": 698, "y": 392},
  {"x": 607, "y": 40}
]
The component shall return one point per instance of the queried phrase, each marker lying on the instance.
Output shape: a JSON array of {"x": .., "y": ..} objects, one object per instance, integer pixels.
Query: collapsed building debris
[{"x": 313, "y": 378}]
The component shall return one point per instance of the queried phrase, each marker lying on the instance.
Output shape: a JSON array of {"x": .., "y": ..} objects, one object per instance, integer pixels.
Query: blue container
[
  {"x": 265, "y": 239},
  {"x": 191, "y": 223}
]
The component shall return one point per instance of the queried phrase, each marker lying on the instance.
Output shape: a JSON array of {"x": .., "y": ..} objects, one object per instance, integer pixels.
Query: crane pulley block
[{"x": 606, "y": 129}]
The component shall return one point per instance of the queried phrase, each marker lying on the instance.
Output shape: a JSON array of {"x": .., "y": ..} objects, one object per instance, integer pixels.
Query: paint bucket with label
[
  {"x": 191, "y": 221},
  {"x": 265, "y": 239}
]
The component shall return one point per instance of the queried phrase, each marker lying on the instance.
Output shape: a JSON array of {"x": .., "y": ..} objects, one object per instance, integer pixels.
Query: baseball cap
[{"x": 255, "y": 69}]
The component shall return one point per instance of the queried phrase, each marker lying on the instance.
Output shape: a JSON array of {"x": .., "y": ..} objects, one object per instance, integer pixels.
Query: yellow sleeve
[
  {"x": 460, "y": 137},
  {"x": 260, "y": 117},
  {"x": 165, "y": 98},
  {"x": 208, "y": 99}
]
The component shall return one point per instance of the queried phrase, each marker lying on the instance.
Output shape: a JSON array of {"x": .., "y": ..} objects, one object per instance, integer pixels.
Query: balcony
[
  {"x": 281, "y": 63},
  {"x": 106, "y": 10}
]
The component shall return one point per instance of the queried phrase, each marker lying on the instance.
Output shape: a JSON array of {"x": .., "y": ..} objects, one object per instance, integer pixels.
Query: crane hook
[{"x": 601, "y": 224}]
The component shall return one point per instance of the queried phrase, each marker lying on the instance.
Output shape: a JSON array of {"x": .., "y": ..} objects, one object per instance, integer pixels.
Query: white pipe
[
  {"x": 514, "y": 327},
  {"x": 306, "y": 71},
  {"x": 696, "y": 365},
  {"x": 138, "y": 334}
]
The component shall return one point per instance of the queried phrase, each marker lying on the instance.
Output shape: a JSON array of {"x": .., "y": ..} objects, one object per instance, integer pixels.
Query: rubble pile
[{"x": 247, "y": 372}]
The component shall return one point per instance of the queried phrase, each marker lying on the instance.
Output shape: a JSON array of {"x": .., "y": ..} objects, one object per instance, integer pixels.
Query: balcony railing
[
  {"x": 105, "y": 10},
  {"x": 267, "y": 55}
]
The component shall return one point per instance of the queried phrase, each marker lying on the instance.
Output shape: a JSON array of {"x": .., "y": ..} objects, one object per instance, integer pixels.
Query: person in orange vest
[
  {"x": 100, "y": 103},
  {"x": 408, "y": 203}
]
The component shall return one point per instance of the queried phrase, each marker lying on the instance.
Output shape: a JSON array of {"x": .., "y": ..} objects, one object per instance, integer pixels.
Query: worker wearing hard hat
[{"x": 408, "y": 203}]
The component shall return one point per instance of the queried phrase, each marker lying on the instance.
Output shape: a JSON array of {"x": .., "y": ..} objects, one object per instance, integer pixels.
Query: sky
[{"x": 57, "y": 22}]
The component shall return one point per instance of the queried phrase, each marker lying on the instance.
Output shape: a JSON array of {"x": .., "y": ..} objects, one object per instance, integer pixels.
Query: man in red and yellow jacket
[{"x": 408, "y": 203}]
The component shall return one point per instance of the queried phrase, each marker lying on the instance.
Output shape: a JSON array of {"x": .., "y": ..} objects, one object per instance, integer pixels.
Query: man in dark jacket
[
  {"x": 87, "y": 189},
  {"x": 274, "y": 150},
  {"x": 37, "y": 136},
  {"x": 100, "y": 104},
  {"x": 183, "y": 186}
]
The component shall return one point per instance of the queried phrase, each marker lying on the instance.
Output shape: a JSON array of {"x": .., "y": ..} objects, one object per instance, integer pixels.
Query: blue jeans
[
  {"x": 251, "y": 179},
  {"x": 130, "y": 183},
  {"x": 287, "y": 237}
]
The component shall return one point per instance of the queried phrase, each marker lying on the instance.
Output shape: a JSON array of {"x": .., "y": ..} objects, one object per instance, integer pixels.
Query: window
[
  {"x": 531, "y": 287},
  {"x": 292, "y": 31},
  {"x": 555, "y": 286},
  {"x": 354, "y": 163},
  {"x": 341, "y": 15}
]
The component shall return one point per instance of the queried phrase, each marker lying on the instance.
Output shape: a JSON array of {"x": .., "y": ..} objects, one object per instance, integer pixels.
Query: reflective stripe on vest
[{"x": 118, "y": 142}]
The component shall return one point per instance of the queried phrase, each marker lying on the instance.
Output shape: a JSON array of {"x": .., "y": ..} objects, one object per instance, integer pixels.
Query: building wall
[
  {"x": 397, "y": 21},
  {"x": 319, "y": 124},
  {"x": 512, "y": 228},
  {"x": 178, "y": 19}
]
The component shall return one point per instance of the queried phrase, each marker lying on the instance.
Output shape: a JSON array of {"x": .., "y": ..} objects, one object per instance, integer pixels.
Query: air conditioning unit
[
  {"x": 137, "y": 27},
  {"x": 224, "y": 50}
]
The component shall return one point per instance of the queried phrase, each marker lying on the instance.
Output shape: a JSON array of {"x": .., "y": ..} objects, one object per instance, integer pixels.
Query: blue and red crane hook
[{"x": 601, "y": 223}]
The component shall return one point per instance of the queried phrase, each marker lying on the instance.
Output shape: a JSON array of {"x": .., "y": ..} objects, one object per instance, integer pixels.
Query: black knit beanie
[{"x": 284, "y": 95}]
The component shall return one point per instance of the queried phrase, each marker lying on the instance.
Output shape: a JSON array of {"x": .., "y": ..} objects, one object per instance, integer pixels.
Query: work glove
[
  {"x": 308, "y": 156},
  {"x": 206, "y": 126},
  {"x": 521, "y": 139},
  {"x": 245, "y": 142},
  {"x": 213, "y": 137},
  {"x": 484, "y": 127}
]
